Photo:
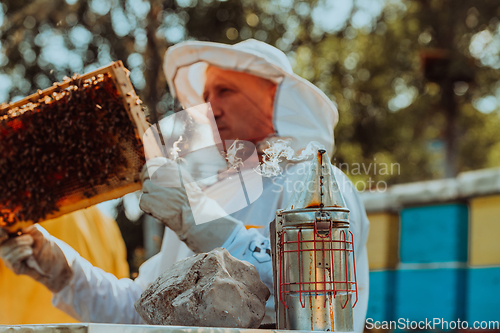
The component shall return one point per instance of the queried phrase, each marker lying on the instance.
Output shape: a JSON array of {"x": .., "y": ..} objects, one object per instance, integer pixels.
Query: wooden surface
[
  {"x": 484, "y": 247},
  {"x": 383, "y": 239}
]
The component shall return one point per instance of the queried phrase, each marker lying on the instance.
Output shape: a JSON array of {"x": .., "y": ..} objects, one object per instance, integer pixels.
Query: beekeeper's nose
[{"x": 216, "y": 106}]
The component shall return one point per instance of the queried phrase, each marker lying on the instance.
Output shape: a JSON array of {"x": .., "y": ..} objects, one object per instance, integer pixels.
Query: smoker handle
[{"x": 323, "y": 222}]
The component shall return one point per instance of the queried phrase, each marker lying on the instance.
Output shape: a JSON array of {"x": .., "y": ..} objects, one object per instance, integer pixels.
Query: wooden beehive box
[{"x": 70, "y": 146}]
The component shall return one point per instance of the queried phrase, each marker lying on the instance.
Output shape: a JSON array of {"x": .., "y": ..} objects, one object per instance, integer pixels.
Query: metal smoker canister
[{"x": 313, "y": 256}]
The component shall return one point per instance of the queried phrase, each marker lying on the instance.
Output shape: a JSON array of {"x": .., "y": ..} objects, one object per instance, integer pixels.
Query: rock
[{"x": 211, "y": 289}]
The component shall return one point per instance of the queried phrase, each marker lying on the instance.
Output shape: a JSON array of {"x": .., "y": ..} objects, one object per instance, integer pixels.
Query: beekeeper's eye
[{"x": 224, "y": 91}]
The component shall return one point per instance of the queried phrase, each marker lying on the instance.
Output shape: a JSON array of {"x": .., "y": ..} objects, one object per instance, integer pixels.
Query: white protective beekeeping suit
[{"x": 301, "y": 112}]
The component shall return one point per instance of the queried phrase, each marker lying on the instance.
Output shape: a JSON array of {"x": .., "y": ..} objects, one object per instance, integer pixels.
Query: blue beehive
[
  {"x": 430, "y": 293},
  {"x": 433, "y": 234},
  {"x": 381, "y": 300},
  {"x": 483, "y": 294}
]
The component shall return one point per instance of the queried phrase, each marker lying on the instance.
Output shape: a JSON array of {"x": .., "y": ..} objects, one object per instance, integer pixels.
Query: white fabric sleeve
[
  {"x": 96, "y": 296},
  {"x": 359, "y": 226}
]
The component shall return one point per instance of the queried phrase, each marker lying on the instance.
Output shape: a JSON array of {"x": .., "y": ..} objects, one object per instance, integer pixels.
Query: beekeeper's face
[{"x": 242, "y": 104}]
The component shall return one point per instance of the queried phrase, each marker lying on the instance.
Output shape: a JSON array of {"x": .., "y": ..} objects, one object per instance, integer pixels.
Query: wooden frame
[{"x": 132, "y": 105}]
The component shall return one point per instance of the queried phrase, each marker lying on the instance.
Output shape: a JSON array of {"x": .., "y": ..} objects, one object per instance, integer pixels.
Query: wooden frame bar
[{"x": 132, "y": 105}]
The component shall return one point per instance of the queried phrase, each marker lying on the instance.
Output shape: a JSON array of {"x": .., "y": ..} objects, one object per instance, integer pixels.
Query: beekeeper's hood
[{"x": 301, "y": 110}]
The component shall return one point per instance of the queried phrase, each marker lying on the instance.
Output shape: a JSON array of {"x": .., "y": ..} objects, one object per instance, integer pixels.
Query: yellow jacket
[{"x": 92, "y": 234}]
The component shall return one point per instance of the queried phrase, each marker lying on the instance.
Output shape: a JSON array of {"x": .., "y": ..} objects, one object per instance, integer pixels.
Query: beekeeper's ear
[{"x": 273, "y": 92}]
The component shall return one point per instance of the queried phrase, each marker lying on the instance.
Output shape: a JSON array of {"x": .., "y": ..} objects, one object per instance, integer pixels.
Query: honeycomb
[{"x": 69, "y": 147}]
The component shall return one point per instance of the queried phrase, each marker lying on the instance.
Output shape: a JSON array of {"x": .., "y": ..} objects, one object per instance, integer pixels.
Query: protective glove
[
  {"x": 172, "y": 197},
  {"x": 37, "y": 254}
]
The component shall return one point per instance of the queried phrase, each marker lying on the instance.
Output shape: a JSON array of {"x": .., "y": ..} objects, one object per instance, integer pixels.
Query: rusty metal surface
[
  {"x": 115, "y": 328},
  {"x": 313, "y": 255},
  {"x": 319, "y": 186}
]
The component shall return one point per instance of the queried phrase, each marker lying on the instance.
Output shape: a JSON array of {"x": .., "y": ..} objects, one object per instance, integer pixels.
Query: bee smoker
[{"x": 313, "y": 256}]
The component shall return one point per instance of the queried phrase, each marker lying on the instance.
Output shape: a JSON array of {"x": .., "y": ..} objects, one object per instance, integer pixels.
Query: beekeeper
[{"x": 254, "y": 95}]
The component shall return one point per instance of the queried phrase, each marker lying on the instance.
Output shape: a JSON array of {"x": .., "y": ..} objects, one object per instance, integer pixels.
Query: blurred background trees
[{"x": 415, "y": 81}]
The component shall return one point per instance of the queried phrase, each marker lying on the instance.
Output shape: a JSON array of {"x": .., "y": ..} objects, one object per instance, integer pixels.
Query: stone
[{"x": 211, "y": 289}]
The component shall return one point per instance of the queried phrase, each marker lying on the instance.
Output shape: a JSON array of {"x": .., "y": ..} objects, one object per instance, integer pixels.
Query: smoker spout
[{"x": 319, "y": 187}]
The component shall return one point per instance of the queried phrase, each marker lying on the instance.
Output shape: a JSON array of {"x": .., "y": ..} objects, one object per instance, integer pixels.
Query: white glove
[
  {"x": 196, "y": 219},
  {"x": 37, "y": 254}
]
